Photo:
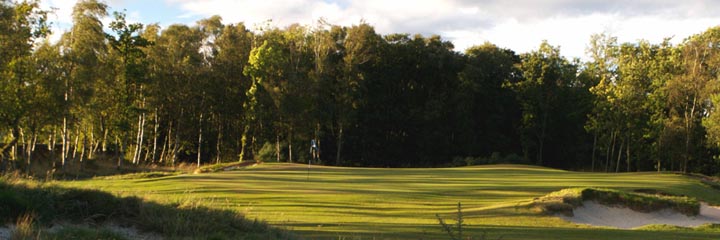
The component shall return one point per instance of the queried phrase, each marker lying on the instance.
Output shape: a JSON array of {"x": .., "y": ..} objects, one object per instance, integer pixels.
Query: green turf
[{"x": 367, "y": 203}]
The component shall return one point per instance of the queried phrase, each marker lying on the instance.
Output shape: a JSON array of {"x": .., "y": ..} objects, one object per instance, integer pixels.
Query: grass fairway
[{"x": 372, "y": 203}]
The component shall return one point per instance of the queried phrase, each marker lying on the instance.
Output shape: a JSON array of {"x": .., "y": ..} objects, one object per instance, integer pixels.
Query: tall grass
[
  {"x": 32, "y": 202},
  {"x": 25, "y": 228},
  {"x": 457, "y": 234}
]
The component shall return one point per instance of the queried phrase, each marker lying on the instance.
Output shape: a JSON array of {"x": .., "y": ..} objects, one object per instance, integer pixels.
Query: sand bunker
[{"x": 596, "y": 214}]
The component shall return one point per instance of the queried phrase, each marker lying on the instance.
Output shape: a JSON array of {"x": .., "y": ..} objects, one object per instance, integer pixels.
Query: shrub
[{"x": 494, "y": 158}]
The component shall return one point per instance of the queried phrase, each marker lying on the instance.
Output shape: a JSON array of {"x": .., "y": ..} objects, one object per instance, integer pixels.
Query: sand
[
  {"x": 5, "y": 233},
  {"x": 595, "y": 214}
]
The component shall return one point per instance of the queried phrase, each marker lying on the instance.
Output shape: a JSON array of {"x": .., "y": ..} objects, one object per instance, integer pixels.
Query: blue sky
[{"x": 519, "y": 25}]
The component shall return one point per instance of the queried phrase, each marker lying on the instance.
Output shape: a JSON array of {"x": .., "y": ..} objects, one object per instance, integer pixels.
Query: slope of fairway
[{"x": 330, "y": 202}]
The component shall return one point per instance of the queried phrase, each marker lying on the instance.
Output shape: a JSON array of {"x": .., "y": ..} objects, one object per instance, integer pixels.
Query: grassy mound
[
  {"x": 564, "y": 201},
  {"x": 188, "y": 219}
]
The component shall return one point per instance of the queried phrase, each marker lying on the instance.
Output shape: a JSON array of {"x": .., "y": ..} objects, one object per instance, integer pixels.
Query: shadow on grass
[
  {"x": 361, "y": 230},
  {"x": 187, "y": 220}
]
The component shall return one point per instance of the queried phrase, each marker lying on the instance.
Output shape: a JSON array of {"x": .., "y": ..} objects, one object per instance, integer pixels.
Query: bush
[
  {"x": 494, "y": 158},
  {"x": 515, "y": 159}
]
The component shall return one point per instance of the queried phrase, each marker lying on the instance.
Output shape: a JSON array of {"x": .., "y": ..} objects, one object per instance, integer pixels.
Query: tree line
[{"x": 215, "y": 92}]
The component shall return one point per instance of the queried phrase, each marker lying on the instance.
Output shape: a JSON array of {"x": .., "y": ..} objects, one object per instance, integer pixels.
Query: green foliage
[
  {"x": 215, "y": 91},
  {"x": 712, "y": 122},
  {"x": 494, "y": 158},
  {"x": 267, "y": 153},
  {"x": 550, "y": 94}
]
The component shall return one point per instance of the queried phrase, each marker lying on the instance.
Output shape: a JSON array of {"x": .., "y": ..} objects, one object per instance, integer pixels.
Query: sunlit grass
[{"x": 402, "y": 203}]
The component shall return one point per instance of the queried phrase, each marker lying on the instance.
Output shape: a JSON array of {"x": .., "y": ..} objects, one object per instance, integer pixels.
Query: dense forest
[{"x": 219, "y": 92}]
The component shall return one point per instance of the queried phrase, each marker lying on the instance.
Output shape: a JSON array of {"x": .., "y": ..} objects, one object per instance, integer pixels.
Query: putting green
[{"x": 367, "y": 203}]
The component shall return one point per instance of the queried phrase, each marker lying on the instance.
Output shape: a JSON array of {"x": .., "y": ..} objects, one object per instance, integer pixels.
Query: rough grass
[
  {"x": 25, "y": 227},
  {"x": 367, "y": 203},
  {"x": 83, "y": 233},
  {"x": 224, "y": 167},
  {"x": 140, "y": 175},
  {"x": 36, "y": 203},
  {"x": 565, "y": 200}
]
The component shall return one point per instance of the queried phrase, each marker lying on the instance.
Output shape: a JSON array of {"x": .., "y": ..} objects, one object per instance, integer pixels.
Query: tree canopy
[{"x": 217, "y": 92}]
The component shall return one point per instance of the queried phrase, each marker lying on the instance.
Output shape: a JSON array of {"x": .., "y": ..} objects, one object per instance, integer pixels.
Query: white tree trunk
[
  {"x": 63, "y": 155},
  {"x": 155, "y": 137},
  {"x": 200, "y": 133}
]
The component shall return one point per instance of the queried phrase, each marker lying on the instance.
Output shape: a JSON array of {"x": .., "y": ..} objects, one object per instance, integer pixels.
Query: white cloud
[
  {"x": 61, "y": 17},
  {"x": 519, "y": 25}
]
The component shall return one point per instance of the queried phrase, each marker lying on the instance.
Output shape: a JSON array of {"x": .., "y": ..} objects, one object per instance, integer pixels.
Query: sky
[{"x": 520, "y": 25}]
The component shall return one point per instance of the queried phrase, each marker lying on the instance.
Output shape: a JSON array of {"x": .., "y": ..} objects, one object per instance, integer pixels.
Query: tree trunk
[
  {"x": 135, "y": 157},
  {"x": 289, "y": 140},
  {"x": 82, "y": 152},
  {"x": 199, "y": 148},
  {"x": 659, "y": 160},
  {"x": 142, "y": 138},
  {"x": 51, "y": 146},
  {"x": 689, "y": 120},
  {"x": 317, "y": 139},
  {"x": 592, "y": 168},
  {"x": 243, "y": 142},
  {"x": 541, "y": 138},
  {"x": 218, "y": 144},
  {"x": 63, "y": 155},
  {"x": 105, "y": 135},
  {"x": 610, "y": 152},
  {"x": 627, "y": 155},
  {"x": 137, "y": 140},
  {"x": 155, "y": 137},
  {"x": 91, "y": 148},
  {"x": 77, "y": 143},
  {"x": 277, "y": 146},
  {"x": 121, "y": 150},
  {"x": 339, "y": 146},
  {"x": 29, "y": 151},
  {"x": 164, "y": 147},
  {"x": 175, "y": 145},
  {"x": 4, "y": 149},
  {"x": 617, "y": 164}
]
